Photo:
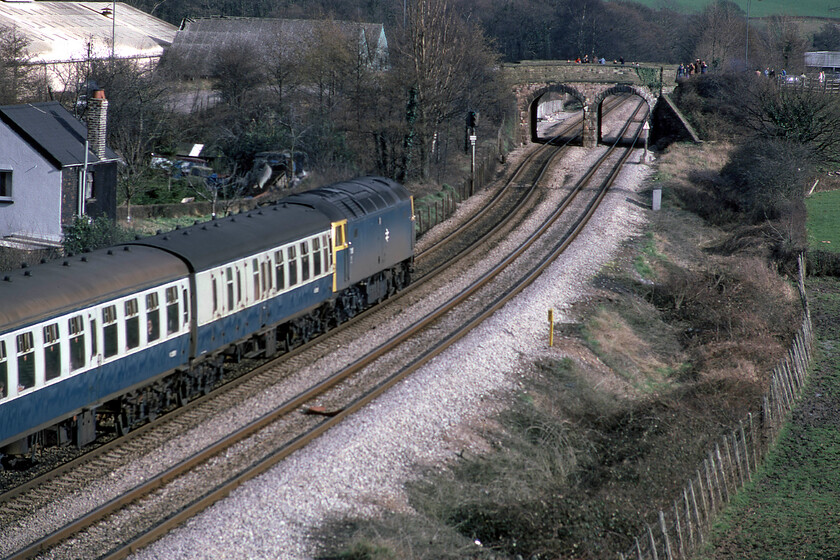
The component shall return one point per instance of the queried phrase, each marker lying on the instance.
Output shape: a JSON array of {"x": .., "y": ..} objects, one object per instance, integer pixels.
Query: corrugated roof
[
  {"x": 53, "y": 131},
  {"x": 62, "y": 31},
  {"x": 823, "y": 59},
  {"x": 198, "y": 38}
]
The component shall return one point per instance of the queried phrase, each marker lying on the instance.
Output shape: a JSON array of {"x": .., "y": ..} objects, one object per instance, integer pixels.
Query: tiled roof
[{"x": 53, "y": 131}]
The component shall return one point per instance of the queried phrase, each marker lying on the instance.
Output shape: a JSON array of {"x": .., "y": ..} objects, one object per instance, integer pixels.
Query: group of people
[
  {"x": 688, "y": 70},
  {"x": 595, "y": 59}
]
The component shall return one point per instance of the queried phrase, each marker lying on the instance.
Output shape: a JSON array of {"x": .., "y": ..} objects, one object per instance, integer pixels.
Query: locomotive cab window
[
  {"x": 4, "y": 371},
  {"x": 152, "y": 317},
  {"x": 52, "y": 352},
  {"x": 110, "y": 331},
  {"x": 25, "y": 361},
  {"x": 340, "y": 235},
  {"x": 172, "y": 311},
  {"x": 76, "y": 328},
  {"x": 132, "y": 324}
]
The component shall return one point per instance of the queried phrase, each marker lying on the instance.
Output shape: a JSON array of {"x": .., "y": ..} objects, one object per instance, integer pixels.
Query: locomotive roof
[
  {"x": 32, "y": 294},
  {"x": 224, "y": 240},
  {"x": 354, "y": 198}
]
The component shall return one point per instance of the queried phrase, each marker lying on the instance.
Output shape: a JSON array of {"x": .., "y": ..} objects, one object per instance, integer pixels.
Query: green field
[
  {"x": 761, "y": 8},
  {"x": 824, "y": 220}
]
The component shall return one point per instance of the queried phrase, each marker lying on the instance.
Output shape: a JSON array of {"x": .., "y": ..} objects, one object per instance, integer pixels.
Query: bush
[
  {"x": 86, "y": 234},
  {"x": 765, "y": 176}
]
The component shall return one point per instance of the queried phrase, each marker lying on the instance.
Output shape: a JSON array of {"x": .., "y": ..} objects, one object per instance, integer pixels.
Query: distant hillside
[{"x": 761, "y": 8}]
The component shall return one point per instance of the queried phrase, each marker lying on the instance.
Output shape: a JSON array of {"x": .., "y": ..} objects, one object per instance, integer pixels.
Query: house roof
[
  {"x": 198, "y": 38},
  {"x": 53, "y": 131},
  {"x": 63, "y": 31}
]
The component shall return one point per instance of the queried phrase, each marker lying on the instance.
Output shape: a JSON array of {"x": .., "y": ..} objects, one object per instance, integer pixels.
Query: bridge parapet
[{"x": 530, "y": 71}]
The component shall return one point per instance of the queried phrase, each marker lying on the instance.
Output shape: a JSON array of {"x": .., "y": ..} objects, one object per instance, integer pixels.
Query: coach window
[
  {"x": 52, "y": 352},
  {"x": 304, "y": 261},
  {"x": 325, "y": 249},
  {"x": 280, "y": 270},
  {"x": 26, "y": 361},
  {"x": 238, "y": 286},
  {"x": 229, "y": 279},
  {"x": 266, "y": 277},
  {"x": 172, "y": 309},
  {"x": 256, "y": 266},
  {"x": 110, "y": 331},
  {"x": 152, "y": 317},
  {"x": 132, "y": 324},
  {"x": 215, "y": 290},
  {"x": 76, "y": 328},
  {"x": 292, "y": 258},
  {"x": 186, "y": 306},
  {"x": 4, "y": 371},
  {"x": 316, "y": 257}
]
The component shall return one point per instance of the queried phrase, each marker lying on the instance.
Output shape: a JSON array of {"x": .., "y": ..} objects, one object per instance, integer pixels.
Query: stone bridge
[{"x": 535, "y": 82}]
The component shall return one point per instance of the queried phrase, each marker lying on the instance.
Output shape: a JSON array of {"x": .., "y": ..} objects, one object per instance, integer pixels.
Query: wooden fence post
[
  {"x": 652, "y": 543},
  {"x": 722, "y": 473},
  {"x": 696, "y": 510},
  {"x": 746, "y": 450},
  {"x": 678, "y": 526},
  {"x": 688, "y": 520},
  {"x": 664, "y": 530}
]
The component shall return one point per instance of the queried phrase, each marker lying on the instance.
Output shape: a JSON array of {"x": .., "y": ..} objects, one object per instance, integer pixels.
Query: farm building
[
  {"x": 199, "y": 39},
  {"x": 62, "y": 35},
  {"x": 827, "y": 61}
]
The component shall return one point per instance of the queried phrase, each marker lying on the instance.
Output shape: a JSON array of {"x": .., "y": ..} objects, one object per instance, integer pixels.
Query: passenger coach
[{"x": 129, "y": 331}]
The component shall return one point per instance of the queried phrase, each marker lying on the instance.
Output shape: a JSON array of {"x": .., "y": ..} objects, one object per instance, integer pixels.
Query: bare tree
[
  {"x": 440, "y": 55},
  {"x": 785, "y": 44},
  {"x": 18, "y": 76}
]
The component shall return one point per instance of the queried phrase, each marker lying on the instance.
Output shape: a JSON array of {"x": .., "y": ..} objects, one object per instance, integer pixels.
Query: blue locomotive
[{"x": 117, "y": 336}]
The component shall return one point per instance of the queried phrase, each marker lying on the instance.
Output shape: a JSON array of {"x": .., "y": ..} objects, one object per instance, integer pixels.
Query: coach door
[{"x": 341, "y": 256}]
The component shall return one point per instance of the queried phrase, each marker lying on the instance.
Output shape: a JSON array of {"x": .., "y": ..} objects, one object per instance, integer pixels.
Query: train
[{"x": 109, "y": 339}]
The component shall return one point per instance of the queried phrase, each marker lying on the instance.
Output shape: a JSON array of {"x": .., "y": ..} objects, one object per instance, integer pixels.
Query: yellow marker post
[{"x": 550, "y": 328}]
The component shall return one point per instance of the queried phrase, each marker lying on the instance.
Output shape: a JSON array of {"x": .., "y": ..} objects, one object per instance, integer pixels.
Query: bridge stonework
[{"x": 589, "y": 94}]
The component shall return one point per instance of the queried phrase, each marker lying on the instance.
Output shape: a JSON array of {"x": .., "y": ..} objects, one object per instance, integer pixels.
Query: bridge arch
[
  {"x": 593, "y": 112},
  {"x": 532, "y": 102}
]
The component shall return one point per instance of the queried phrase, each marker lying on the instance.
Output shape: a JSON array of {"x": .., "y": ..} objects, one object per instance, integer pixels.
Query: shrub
[{"x": 86, "y": 234}]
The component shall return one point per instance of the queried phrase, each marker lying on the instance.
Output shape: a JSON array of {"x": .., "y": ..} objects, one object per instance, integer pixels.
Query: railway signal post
[{"x": 472, "y": 123}]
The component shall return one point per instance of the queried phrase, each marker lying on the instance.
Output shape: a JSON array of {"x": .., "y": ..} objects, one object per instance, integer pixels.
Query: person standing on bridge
[{"x": 681, "y": 71}]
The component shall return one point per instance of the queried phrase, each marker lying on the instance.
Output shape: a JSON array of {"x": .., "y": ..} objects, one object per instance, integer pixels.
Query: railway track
[{"x": 284, "y": 437}]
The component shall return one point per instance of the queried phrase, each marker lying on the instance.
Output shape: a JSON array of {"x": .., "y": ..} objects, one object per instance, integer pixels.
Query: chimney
[{"x": 96, "y": 122}]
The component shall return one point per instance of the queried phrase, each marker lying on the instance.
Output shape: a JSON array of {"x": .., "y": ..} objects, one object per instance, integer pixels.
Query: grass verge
[{"x": 790, "y": 508}]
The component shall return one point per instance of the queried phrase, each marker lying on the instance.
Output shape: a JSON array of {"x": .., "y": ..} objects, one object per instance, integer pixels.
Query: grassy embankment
[{"x": 791, "y": 508}]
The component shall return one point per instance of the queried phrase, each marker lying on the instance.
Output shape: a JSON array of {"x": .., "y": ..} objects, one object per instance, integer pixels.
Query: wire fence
[
  {"x": 434, "y": 209},
  {"x": 679, "y": 531}
]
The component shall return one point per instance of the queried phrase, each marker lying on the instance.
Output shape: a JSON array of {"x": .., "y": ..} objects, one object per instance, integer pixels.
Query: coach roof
[{"x": 32, "y": 294}]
